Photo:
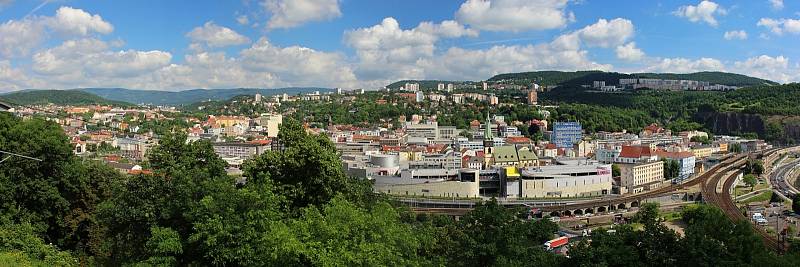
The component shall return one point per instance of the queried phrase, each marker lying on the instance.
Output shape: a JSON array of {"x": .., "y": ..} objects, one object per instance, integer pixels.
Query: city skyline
[{"x": 366, "y": 44}]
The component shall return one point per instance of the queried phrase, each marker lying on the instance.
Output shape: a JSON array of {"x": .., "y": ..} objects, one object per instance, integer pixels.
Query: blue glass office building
[{"x": 566, "y": 134}]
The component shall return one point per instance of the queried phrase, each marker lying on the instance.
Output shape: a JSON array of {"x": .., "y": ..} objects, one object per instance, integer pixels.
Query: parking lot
[{"x": 778, "y": 218}]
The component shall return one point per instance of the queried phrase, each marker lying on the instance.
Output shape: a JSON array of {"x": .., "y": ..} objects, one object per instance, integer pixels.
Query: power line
[{"x": 11, "y": 154}]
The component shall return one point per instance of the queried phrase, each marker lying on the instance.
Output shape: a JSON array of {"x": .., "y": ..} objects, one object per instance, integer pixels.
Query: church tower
[{"x": 488, "y": 142}]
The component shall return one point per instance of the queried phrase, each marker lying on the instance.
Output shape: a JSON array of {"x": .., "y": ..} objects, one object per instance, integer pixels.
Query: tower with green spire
[
  {"x": 488, "y": 139},
  {"x": 487, "y": 135}
]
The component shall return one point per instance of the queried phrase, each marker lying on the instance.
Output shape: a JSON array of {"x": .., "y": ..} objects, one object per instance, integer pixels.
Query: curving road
[{"x": 780, "y": 178}]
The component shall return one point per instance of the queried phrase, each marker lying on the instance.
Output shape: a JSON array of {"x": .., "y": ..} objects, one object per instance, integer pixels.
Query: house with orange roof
[{"x": 636, "y": 154}]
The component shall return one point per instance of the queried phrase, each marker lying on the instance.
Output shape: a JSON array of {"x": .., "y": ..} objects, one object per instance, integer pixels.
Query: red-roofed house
[
  {"x": 653, "y": 129},
  {"x": 636, "y": 154},
  {"x": 518, "y": 140}
]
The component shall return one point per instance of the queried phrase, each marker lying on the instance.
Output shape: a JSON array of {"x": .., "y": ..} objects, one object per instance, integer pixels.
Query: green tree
[
  {"x": 493, "y": 235},
  {"x": 308, "y": 171},
  {"x": 671, "y": 168},
  {"x": 163, "y": 244},
  {"x": 615, "y": 171},
  {"x": 20, "y": 245},
  {"x": 701, "y": 139},
  {"x": 758, "y": 168},
  {"x": 655, "y": 244},
  {"x": 796, "y": 204},
  {"x": 735, "y": 148},
  {"x": 750, "y": 180},
  {"x": 57, "y": 195},
  {"x": 184, "y": 175},
  {"x": 343, "y": 234}
]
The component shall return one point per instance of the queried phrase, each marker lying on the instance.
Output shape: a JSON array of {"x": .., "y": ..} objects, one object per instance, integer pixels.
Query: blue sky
[{"x": 174, "y": 45}]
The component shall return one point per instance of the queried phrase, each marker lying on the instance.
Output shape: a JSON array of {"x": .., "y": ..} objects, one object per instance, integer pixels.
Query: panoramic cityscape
[{"x": 387, "y": 133}]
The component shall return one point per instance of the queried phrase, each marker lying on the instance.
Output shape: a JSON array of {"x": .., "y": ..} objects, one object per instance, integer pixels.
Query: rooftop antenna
[{"x": 10, "y": 154}]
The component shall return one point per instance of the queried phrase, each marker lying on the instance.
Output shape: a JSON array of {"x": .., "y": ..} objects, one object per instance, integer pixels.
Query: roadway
[{"x": 780, "y": 179}]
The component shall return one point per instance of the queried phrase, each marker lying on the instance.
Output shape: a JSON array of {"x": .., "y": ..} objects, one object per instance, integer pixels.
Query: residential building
[
  {"x": 447, "y": 132},
  {"x": 636, "y": 154},
  {"x": 428, "y": 131},
  {"x": 639, "y": 177},
  {"x": 450, "y": 160},
  {"x": 411, "y": 87},
  {"x": 493, "y": 100},
  {"x": 608, "y": 154},
  {"x": 702, "y": 152},
  {"x": 131, "y": 148},
  {"x": 533, "y": 97},
  {"x": 240, "y": 150},
  {"x": 686, "y": 162},
  {"x": 514, "y": 156}
]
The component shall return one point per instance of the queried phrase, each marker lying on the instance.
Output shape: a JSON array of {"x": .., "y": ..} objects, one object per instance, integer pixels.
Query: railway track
[
  {"x": 724, "y": 201},
  {"x": 728, "y": 163}
]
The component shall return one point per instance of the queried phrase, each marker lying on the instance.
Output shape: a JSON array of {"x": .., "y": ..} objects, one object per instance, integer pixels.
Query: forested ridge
[
  {"x": 297, "y": 208},
  {"x": 58, "y": 97}
]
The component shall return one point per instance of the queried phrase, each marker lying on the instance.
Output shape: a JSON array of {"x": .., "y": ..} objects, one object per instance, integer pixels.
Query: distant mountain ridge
[
  {"x": 155, "y": 97},
  {"x": 58, "y": 97},
  {"x": 550, "y": 78}
]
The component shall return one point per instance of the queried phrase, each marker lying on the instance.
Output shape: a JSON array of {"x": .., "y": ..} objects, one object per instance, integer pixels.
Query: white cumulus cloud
[
  {"x": 702, "y": 12},
  {"x": 74, "y": 21},
  {"x": 293, "y": 13},
  {"x": 89, "y": 62},
  {"x": 464, "y": 64},
  {"x": 736, "y": 35},
  {"x": 19, "y": 37},
  {"x": 776, "y": 4},
  {"x": 5, "y": 3},
  {"x": 629, "y": 52},
  {"x": 297, "y": 65},
  {"x": 385, "y": 49},
  {"x": 772, "y": 68},
  {"x": 243, "y": 20},
  {"x": 684, "y": 65},
  {"x": 606, "y": 33},
  {"x": 514, "y": 15},
  {"x": 780, "y": 26},
  {"x": 214, "y": 35},
  {"x": 603, "y": 33}
]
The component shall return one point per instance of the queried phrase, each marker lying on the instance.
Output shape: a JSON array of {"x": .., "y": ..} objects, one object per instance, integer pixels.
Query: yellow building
[
  {"x": 702, "y": 152},
  {"x": 227, "y": 121},
  {"x": 723, "y": 147},
  {"x": 635, "y": 178}
]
